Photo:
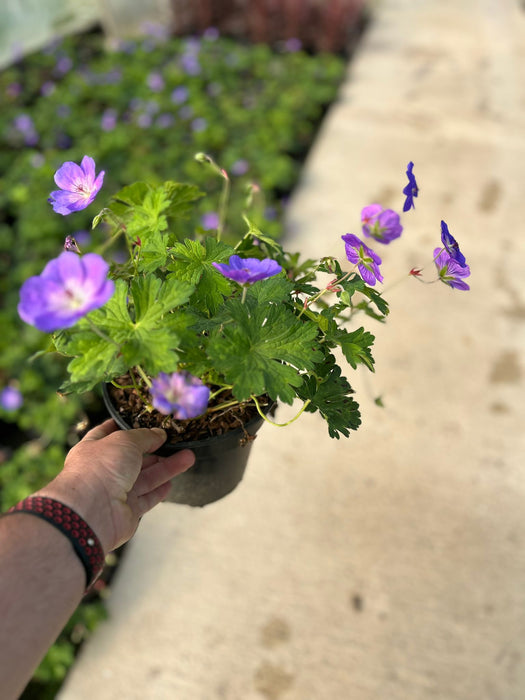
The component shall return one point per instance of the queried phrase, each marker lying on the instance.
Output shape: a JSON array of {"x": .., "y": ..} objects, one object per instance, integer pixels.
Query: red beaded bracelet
[{"x": 85, "y": 543}]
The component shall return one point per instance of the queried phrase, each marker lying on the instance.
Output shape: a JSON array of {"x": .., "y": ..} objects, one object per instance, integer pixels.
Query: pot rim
[{"x": 183, "y": 444}]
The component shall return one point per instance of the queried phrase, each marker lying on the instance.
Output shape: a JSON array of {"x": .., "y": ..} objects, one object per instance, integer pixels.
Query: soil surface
[{"x": 131, "y": 406}]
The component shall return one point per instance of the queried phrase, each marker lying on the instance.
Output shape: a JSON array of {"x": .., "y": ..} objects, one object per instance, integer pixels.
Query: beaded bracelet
[{"x": 85, "y": 543}]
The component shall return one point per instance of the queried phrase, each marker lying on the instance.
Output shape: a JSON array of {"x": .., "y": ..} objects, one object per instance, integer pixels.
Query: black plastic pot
[{"x": 220, "y": 461}]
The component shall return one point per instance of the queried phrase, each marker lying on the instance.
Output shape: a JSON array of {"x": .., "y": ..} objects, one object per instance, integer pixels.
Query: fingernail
[{"x": 160, "y": 432}]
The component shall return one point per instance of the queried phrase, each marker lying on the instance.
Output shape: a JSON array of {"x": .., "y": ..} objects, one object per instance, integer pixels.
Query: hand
[{"x": 110, "y": 480}]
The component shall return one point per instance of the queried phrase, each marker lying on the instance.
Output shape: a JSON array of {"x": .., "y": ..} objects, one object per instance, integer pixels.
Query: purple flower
[
  {"x": 411, "y": 190},
  {"x": 108, "y": 120},
  {"x": 68, "y": 288},
  {"x": 211, "y": 34},
  {"x": 24, "y": 124},
  {"x": 78, "y": 186},
  {"x": 451, "y": 272},
  {"x": 11, "y": 398},
  {"x": 63, "y": 65},
  {"x": 165, "y": 120},
  {"x": 240, "y": 167},
  {"x": 451, "y": 245},
  {"x": 82, "y": 237},
  {"x": 210, "y": 220},
  {"x": 381, "y": 224},
  {"x": 179, "y": 95},
  {"x": 248, "y": 270},
  {"x": 293, "y": 45},
  {"x": 144, "y": 120},
  {"x": 180, "y": 394},
  {"x": 364, "y": 257},
  {"x": 199, "y": 124},
  {"x": 190, "y": 64},
  {"x": 47, "y": 88},
  {"x": 155, "y": 81}
]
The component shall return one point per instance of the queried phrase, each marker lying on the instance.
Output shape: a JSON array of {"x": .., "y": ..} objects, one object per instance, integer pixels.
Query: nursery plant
[{"x": 199, "y": 336}]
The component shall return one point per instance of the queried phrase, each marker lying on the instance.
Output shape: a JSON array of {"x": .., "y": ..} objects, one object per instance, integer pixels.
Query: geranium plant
[{"x": 186, "y": 329}]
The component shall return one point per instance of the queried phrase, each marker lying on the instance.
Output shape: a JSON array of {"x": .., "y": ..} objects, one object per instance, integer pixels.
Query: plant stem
[{"x": 279, "y": 425}]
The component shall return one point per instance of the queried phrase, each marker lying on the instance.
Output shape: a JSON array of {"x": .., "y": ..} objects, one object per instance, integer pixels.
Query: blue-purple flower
[
  {"x": 450, "y": 271},
  {"x": 381, "y": 224},
  {"x": 78, "y": 186},
  {"x": 11, "y": 398},
  {"x": 411, "y": 190},
  {"x": 364, "y": 257},
  {"x": 210, "y": 220},
  {"x": 180, "y": 94},
  {"x": 68, "y": 288},
  {"x": 451, "y": 245},
  {"x": 180, "y": 394},
  {"x": 248, "y": 270}
]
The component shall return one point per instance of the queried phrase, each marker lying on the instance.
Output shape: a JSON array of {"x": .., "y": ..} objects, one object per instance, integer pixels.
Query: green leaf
[
  {"x": 329, "y": 393},
  {"x": 181, "y": 197},
  {"x": 355, "y": 345},
  {"x": 193, "y": 263},
  {"x": 255, "y": 232},
  {"x": 263, "y": 350},
  {"x": 95, "y": 360},
  {"x": 153, "y": 298},
  {"x": 276, "y": 289}
]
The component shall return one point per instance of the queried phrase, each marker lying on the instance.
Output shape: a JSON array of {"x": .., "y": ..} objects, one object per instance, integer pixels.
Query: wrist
[{"x": 84, "y": 501}]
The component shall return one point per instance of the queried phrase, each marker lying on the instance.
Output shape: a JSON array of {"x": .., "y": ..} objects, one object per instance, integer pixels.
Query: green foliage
[{"x": 262, "y": 349}]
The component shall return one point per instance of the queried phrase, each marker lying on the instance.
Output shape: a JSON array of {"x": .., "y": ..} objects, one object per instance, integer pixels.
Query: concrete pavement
[{"x": 389, "y": 566}]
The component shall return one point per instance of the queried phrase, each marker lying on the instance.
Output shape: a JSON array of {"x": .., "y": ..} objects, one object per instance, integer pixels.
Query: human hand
[{"x": 110, "y": 480}]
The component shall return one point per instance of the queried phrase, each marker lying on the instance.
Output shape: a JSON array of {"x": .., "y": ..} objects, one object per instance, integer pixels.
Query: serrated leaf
[
  {"x": 255, "y": 232},
  {"x": 181, "y": 197},
  {"x": 355, "y": 345},
  {"x": 264, "y": 350},
  {"x": 329, "y": 393},
  {"x": 193, "y": 262},
  {"x": 95, "y": 359},
  {"x": 273, "y": 289},
  {"x": 153, "y": 298}
]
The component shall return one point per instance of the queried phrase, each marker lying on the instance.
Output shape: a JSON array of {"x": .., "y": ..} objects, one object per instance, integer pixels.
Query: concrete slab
[{"x": 390, "y": 565}]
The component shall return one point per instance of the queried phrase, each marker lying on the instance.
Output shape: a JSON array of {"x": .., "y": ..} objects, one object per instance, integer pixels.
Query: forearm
[{"x": 41, "y": 583}]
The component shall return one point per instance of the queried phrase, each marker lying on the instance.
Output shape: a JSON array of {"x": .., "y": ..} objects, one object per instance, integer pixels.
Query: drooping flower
[
  {"x": 78, "y": 186},
  {"x": 11, "y": 398},
  {"x": 411, "y": 190},
  {"x": 180, "y": 394},
  {"x": 451, "y": 245},
  {"x": 364, "y": 257},
  {"x": 248, "y": 270},
  {"x": 450, "y": 271},
  {"x": 381, "y": 224},
  {"x": 68, "y": 288}
]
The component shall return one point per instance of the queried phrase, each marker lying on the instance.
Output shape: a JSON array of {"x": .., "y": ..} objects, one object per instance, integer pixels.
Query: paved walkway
[{"x": 389, "y": 566}]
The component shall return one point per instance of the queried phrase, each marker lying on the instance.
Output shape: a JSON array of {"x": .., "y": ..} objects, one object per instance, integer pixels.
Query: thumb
[{"x": 145, "y": 439}]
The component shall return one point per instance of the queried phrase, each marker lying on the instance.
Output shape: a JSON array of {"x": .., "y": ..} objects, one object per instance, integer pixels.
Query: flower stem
[
  {"x": 226, "y": 404},
  {"x": 143, "y": 376},
  {"x": 278, "y": 425}
]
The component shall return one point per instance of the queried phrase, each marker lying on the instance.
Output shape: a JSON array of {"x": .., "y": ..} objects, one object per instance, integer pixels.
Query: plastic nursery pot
[{"x": 220, "y": 461}]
